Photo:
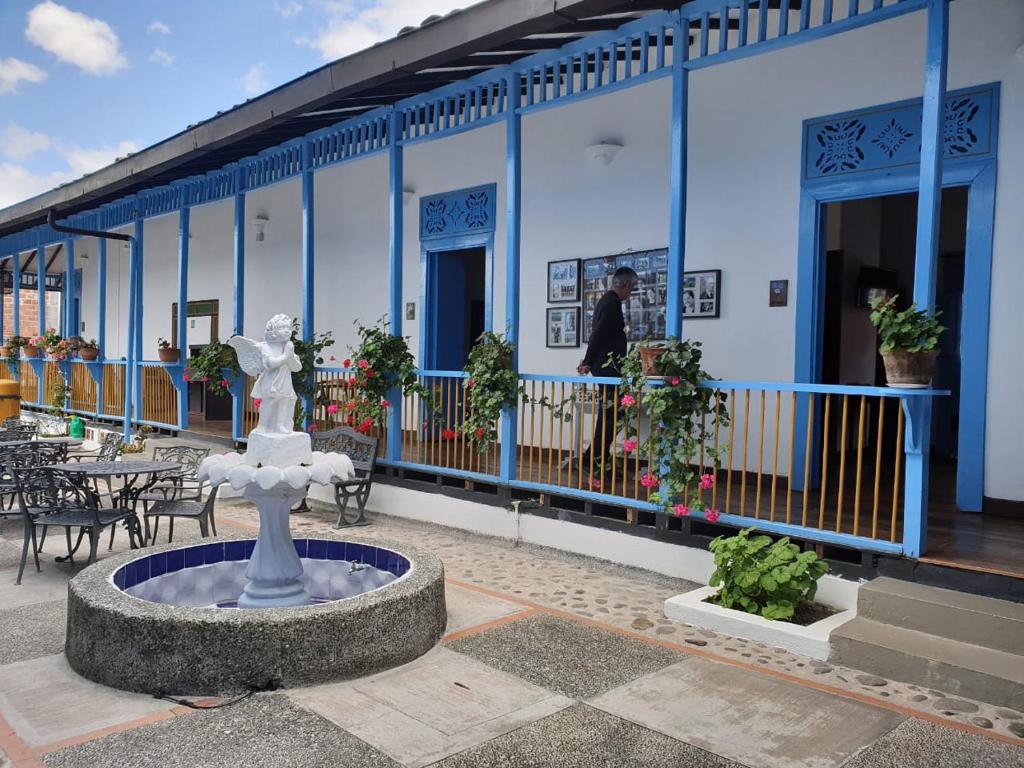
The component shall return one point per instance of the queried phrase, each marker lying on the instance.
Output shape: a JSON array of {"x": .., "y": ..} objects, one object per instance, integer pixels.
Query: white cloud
[
  {"x": 13, "y": 71},
  {"x": 158, "y": 28},
  {"x": 287, "y": 10},
  {"x": 88, "y": 43},
  {"x": 351, "y": 28},
  {"x": 162, "y": 56},
  {"x": 254, "y": 82},
  {"x": 82, "y": 161},
  {"x": 18, "y": 143},
  {"x": 19, "y": 183}
]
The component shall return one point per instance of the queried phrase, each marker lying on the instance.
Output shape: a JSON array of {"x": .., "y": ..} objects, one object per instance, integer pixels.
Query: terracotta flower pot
[
  {"x": 168, "y": 354},
  {"x": 649, "y": 358},
  {"x": 89, "y": 354},
  {"x": 909, "y": 370},
  {"x": 30, "y": 351}
]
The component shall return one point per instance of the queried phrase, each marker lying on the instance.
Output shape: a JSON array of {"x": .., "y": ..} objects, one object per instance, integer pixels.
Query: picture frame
[
  {"x": 562, "y": 328},
  {"x": 702, "y": 293},
  {"x": 563, "y": 281},
  {"x": 644, "y": 310}
]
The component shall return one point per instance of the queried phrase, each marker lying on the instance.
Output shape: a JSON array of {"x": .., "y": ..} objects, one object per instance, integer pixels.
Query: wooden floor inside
[{"x": 217, "y": 428}]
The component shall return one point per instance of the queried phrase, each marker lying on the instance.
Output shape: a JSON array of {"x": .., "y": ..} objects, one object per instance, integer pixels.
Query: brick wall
[{"x": 30, "y": 312}]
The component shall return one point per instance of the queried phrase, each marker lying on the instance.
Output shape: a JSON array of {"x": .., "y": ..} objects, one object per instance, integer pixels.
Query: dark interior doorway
[{"x": 456, "y": 306}]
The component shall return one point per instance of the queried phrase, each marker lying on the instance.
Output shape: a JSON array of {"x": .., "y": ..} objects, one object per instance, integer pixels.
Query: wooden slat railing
[
  {"x": 83, "y": 388},
  {"x": 159, "y": 395},
  {"x": 113, "y": 390},
  {"x": 29, "y": 382}
]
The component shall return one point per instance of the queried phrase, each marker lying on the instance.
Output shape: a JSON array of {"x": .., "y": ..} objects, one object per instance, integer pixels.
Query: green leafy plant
[
  {"x": 762, "y": 577},
  {"x": 911, "y": 330},
  {"x": 491, "y": 385},
  {"x": 683, "y": 415},
  {"x": 215, "y": 365},
  {"x": 379, "y": 364},
  {"x": 56, "y": 346},
  {"x": 14, "y": 345},
  {"x": 90, "y": 344},
  {"x": 139, "y": 444},
  {"x": 60, "y": 390}
]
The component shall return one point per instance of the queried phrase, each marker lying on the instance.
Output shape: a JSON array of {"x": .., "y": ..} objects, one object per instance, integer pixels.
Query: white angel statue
[{"x": 273, "y": 360}]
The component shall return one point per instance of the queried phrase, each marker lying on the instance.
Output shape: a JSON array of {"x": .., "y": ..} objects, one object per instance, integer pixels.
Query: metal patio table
[
  {"x": 70, "y": 442},
  {"x": 130, "y": 471}
]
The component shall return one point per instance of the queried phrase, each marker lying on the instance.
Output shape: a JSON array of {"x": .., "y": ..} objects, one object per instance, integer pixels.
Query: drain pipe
[{"x": 129, "y": 373}]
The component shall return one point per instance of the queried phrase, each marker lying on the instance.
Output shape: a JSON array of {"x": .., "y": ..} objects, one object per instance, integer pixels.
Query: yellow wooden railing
[{"x": 159, "y": 395}]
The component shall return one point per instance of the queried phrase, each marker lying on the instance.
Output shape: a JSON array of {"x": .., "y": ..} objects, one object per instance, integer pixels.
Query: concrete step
[
  {"x": 919, "y": 658},
  {"x": 980, "y": 621}
]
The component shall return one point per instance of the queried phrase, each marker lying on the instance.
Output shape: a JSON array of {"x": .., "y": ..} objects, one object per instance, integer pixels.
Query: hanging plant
[
  {"x": 215, "y": 365},
  {"x": 14, "y": 346},
  {"x": 380, "y": 363},
  {"x": 682, "y": 415},
  {"x": 491, "y": 385}
]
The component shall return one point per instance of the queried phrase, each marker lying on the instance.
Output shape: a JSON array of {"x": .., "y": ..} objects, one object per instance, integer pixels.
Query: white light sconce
[
  {"x": 603, "y": 152},
  {"x": 407, "y": 194},
  {"x": 261, "y": 220}
]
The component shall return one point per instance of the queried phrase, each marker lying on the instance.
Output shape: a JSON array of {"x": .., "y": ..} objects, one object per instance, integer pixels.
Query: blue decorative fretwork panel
[
  {"x": 889, "y": 136},
  {"x": 457, "y": 213}
]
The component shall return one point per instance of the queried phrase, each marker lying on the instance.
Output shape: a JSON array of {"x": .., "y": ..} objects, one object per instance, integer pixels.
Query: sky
[{"x": 83, "y": 82}]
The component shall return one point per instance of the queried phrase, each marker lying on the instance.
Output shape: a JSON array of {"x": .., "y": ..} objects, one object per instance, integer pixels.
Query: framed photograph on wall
[
  {"x": 702, "y": 293},
  {"x": 563, "y": 281},
  {"x": 644, "y": 310},
  {"x": 563, "y": 327}
]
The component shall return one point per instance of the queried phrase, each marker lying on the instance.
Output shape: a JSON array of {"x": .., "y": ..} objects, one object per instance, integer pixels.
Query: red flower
[
  {"x": 205, "y": 379},
  {"x": 479, "y": 432},
  {"x": 385, "y": 403},
  {"x": 648, "y": 480},
  {"x": 366, "y": 425},
  {"x": 347, "y": 362},
  {"x": 225, "y": 384},
  {"x": 332, "y": 408},
  {"x": 257, "y": 402},
  {"x": 448, "y": 433},
  {"x": 369, "y": 373},
  {"x": 470, "y": 383},
  {"x": 363, "y": 364},
  {"x": 311, "y": 428},
  {"x": 186, "y": 377},
  {"x": 712, "y": 515},
  {"x": 350, "y": 420},
  {"x": 595, "y": 484},
  {"x": 351, "y": 405}
]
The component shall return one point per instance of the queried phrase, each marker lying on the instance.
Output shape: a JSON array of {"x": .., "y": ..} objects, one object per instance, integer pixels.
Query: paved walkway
[{"x": 549, "y": 660}]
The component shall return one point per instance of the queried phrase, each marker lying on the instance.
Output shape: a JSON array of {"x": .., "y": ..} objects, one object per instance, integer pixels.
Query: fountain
[{"x": 231, "y": 615}]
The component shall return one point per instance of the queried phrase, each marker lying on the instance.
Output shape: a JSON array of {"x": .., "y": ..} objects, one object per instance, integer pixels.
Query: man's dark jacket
[{"x": 607, "y": 335}]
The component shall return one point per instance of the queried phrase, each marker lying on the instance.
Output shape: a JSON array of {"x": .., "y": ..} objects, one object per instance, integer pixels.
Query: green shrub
[
  {"x": 913, "y": 329},
  {"x": 765, "y": 578}
]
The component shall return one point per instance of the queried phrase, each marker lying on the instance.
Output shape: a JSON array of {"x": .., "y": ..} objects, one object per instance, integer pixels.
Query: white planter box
[{"x": 812, "y": 640}]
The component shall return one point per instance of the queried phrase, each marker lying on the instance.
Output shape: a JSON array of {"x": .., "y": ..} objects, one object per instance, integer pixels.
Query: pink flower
[
  {"x": 369, "y": 373},
  {"x": 674, "y": 381},
  {"x": 595, "y": 484},
  {"x": 186, "y": 377},
  {"x": 629, "y": 445},
  {"x": 205, "y": 379},
  {"x": 648, "y": 480},
  {"x": 470, "y": 383},
  {"x": 363, "y": 364},
  {"x": 311, "y": 428},
  {"x": 385, "y": 403},
  {"x": 711, "y": 515},
  {"x": 707, "y": 481},
  {"x": 351, "y": 405},
  {"x": 332, "y": 408},
  {"x": 628, "y": 400},
  {"x": 682, "y": 510},
  {"x": 257, "y": 402},
  {"x": 225, "y": 384}
]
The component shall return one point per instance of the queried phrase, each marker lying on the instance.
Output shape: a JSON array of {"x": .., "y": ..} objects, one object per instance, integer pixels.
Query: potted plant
[
  {"x": 215, "y": 365},
  {"x": 910, "y": 340},
  {"x": 166, "y": 352},
  {"x": 13, "y": 346},
  {"x": 54, "y": 344},
  {"x": 649, "y": 355},
  {"x": 73, "y": 345},
  {"x": 31, "y": 349},
  {"x": 89, "y": 350},
  {"x": 491, "y": 386}
]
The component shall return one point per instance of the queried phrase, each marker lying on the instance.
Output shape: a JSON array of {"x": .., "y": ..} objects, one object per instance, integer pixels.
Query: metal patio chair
[
  {"x": 195, "y": 509},
  {"x": 49, "y": 498},
  {"x": 180, "y": 486},
  {"x": 362, "y": 450},
  {"x": 108, "y": 450}
]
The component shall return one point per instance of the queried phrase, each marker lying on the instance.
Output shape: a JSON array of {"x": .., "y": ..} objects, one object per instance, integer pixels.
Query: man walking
[{"x": 607, "y": 337}]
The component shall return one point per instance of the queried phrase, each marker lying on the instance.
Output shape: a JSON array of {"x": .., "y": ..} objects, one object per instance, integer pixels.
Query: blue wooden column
[
  {"x": 101, "y": 320},
  {"x": 396, "y": 202},
  {"x": 513, "y": 226},
  {"x": 918, "y": 436},
  {"x": 238, "y": 310},
  {"x": 182, "y": 319},
  {"x": 41, "y": 300},
  {"x": 308, "y": 259},
  {"x": 16, "y": 295},
  {"x": 134, "y": 257},
  {"x": 139, "y": 293},
  {"x": 69, "y": 289},
  {"x": 677, "y": 210}
]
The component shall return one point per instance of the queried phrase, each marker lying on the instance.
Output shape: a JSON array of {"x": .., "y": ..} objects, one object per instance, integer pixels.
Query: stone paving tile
[
  {"x": 266, "y": 731},
  {"x": 467, "y": 608},
  {"x": 44, "y": 701},
  {"x": 753, "y": 719},
  {"x": 45, "y": 586},
  {"x": 573, "y": 659},
  {"x": 583, "y": 737},
  {"x": 920, "y": 744},
  {"x": 32, "y": 631},
  {"x": 433, "y": 707},
  {"x": 626, "y": 598}
]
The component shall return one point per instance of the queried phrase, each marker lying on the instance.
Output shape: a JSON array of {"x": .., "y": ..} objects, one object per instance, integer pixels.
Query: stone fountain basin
[{"x": 134, "y": 644}]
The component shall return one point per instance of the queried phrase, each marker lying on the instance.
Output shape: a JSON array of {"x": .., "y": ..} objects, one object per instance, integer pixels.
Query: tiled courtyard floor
[{"x": 549, "y": 660}]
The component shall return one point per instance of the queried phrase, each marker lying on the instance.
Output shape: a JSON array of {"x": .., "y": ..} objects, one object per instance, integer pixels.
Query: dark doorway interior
[{"x": 456, "y": 306}]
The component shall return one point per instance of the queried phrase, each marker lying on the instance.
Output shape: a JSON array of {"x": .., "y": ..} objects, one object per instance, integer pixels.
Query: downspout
[{"x": 129, "y": 373}]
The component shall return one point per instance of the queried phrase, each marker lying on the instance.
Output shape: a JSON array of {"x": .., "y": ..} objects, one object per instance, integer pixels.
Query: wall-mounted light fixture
[
  {"x": 261, "y": 220},
  {"x": 407, "y": 194},
  {"x": 603, "y": 152}
]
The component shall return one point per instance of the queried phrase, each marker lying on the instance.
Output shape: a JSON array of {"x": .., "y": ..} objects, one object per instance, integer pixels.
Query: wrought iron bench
[{"x": 362, "y": 450}]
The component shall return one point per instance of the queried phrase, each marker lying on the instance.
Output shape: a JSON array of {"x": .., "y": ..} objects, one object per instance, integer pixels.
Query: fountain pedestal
[{"x": 274, "y": 569}]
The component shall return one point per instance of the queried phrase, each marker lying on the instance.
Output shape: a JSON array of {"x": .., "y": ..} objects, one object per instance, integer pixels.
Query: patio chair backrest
[
  {"x": 45, "y": 489},
  {"x": 110, "y": 447},
  {"x": 361, "y": 449},
  {"x": 23, "y": 432},
  {"x": 16, "y": 422},
  {"x": 12, "y": 456},
  {"x": 49, "y": 453},
  {"x": 188, "y": 456}
]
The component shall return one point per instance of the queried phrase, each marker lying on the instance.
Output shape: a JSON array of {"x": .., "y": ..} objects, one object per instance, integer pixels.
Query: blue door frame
[{"x": 979, "y": 176}]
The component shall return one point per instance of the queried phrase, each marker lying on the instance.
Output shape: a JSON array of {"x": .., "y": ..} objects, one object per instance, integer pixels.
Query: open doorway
[{"x": 455, "y": 308}]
